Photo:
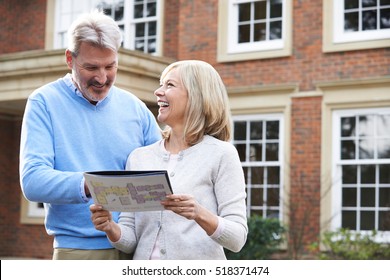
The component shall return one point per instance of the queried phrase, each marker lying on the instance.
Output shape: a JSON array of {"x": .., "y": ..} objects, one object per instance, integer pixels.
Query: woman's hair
[
  {"x": 94, "y": 28},
  {"x": 208, "y": 110}
]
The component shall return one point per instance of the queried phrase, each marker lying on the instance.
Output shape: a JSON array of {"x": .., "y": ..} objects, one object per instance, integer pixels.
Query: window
[
  {"x": 254, "y": 29},
  {"x": 356, "y": 24},
  {"x": 137, "y": 19},
  {"x": 362, "y": 166},
  {"x": 258, "y": 140},
  {"x": 32, "y": 212}
]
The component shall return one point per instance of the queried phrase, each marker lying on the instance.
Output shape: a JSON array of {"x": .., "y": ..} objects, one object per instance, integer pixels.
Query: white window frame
[
  {"x": 235, "y": 47},
  {"x": 336, "y": 168},
  {"x": 279, "y": 163},
  {"x": 230, "y": 50},
  {"x": 335, "y": 39},
  {"x": 340, "y": 36},
  {"x": 74, "y": 8}
]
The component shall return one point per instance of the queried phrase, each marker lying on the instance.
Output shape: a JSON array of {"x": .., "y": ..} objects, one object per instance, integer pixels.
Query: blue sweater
[{"x": 64, "y": 135}]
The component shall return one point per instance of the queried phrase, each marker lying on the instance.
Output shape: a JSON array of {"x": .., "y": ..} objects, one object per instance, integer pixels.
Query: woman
[{"x": 207, "y": 211}]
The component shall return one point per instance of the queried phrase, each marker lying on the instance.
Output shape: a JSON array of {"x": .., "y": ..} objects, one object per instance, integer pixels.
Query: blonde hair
[{"x": 208, "y": 110}]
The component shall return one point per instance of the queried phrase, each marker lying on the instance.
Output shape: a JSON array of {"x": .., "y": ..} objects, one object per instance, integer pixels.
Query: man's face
[{"x": 93, "y": 71}]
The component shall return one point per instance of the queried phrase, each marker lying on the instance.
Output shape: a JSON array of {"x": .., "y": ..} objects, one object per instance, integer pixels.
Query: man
[{"x": 81, "y": 122}]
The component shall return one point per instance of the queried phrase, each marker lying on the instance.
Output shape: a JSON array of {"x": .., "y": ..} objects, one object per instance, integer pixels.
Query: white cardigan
[{"x": 210, "y": 171}]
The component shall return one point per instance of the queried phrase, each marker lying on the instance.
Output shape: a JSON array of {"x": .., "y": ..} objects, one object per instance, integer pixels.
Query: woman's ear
[{"x": 69, "y": 58}]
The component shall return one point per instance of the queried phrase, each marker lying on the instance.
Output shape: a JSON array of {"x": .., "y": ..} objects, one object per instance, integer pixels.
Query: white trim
[
  {"x": 336, "y": 204},
  {"x": 280, "y": 163}
]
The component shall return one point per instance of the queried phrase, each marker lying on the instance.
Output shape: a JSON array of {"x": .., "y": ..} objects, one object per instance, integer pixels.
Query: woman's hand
[
  {"x": 186, "y": 206},
  {"x": 183, "y": 205},
  {"x": 102, "y": 220}
]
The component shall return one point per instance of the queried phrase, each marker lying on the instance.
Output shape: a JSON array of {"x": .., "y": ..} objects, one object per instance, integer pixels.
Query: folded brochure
[{"x": 129, "y": 191}]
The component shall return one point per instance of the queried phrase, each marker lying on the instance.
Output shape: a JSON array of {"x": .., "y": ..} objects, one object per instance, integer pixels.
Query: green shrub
[
  {"x": 264, "y": 238},
  {"x": 347, "y": 245}
]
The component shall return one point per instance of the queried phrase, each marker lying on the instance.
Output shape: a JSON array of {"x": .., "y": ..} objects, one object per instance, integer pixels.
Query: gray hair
[{"x": 94, "y": 28}]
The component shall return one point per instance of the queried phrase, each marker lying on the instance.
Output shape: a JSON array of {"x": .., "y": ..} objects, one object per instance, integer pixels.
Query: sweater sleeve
[
  {"x": 39, "y": 180},
  {"x": 128, "y": 240},
  {"x": 230, "y": 193}
]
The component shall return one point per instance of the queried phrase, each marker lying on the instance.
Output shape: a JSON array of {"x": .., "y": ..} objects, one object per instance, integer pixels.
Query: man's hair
[
  {"x": 208, "y": 110},
  {"x": 94, "y": 28}
]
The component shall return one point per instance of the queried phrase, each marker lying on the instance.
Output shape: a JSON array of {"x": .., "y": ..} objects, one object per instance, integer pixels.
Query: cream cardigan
[{"x": 210, "y": 171}]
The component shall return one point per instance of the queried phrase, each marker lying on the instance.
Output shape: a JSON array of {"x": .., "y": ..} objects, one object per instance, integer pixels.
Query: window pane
[
  {"x": 369, "y": 20},
  {"x": 385, "y": 18},
  {"x": 257, "y": 212},
  {"x": 366, "y": 125},
  {"x": 257, "y": 176},
  {"x": 118, "y": 11},
  {"x": 138, "y": 10},
  {"x": 369, "y": 3},
  {"x": 351, "y": 4},
  {"x": 383, "y": 146},
  {"x": 272, "y": 152},
  {"x": 256, "y": 129},
  {"x": 244, "y": 33},
  {"x": 349, "y": 174},
  {"x": 351, "y": 22},
  {"x": 239, "y": 130},
  {"x": 260, "y": 10},
  {"x": 257, "y": 196},
  {"x": 152, "y": 28},
  {"x": 272, "y": 130},
  {"x": 384, "y": 220},
  {"x": 273, "y": 197},
  {"x": 349, "y": 197},
  {"x": 348, "y": 126},
  {"x": 367, "y": 173},
  {"x": 140, "y": 30},
  {"x": 260, "y": 32},
  {"x": 383, "y": 125},
  {"x": 139, "y": 45},
  {"x": 384, "y": 174},
  {"x": 366, "y": 149},
  {"x": 241, "y": 149},
  {"x": 347, "y": 149},
  {"x": 348, "y": 220},
  {"x": 256, "y": 152},
  {"x": 276, "y": 8},
  {"x": 244, "y": 12},
  {"x": 384, "y": 2},
  {"x": 384, "y": 197},
  {"x": 151, "y": 9},
  {"x": 273, "y": 175},
  {"x": 367, "y": 220},
  {"x": 151, "y": 45},
  {"x": 367, "y": 197},
  {"x": 275, "y": 30}
]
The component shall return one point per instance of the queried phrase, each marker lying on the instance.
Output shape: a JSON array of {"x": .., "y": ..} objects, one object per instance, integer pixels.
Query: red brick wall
[
  {"x": 22, "y": 25},
  {"x": 17, "y": 240}
]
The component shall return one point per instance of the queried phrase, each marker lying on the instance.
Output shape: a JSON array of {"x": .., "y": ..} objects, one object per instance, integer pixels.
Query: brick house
[{"x": 308, "y": 81}]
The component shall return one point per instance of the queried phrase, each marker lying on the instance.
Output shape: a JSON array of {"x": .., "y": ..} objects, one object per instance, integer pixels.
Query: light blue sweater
[
  {"x": 211, "y": 171},
  {"x": 64, "y": 135}
]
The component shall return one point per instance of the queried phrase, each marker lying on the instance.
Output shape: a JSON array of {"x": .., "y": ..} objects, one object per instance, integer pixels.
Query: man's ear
[{"x": 69, "y": 58}]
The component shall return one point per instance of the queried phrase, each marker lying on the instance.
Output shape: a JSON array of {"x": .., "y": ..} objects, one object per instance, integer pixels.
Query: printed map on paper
[{"x": 128, "y": 191}]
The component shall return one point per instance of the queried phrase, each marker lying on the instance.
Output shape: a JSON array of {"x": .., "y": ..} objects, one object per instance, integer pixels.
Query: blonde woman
[{"x": 207, "y": 211}]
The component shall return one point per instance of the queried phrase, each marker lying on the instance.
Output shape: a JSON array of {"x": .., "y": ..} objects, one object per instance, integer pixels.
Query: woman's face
[
  {"x": 93, "y": 71},
  {"x": 172, "y": 99}
]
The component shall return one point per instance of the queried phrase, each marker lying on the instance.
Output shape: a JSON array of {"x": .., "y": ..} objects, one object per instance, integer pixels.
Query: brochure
[{"x": 129, "y": 191}]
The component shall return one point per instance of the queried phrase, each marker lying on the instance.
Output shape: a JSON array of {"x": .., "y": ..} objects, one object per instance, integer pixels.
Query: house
[{"x": 308, "y": 83}]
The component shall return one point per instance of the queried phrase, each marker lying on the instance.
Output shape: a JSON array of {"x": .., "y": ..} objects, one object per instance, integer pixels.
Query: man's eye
[{"x": 91, "y": 68}]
